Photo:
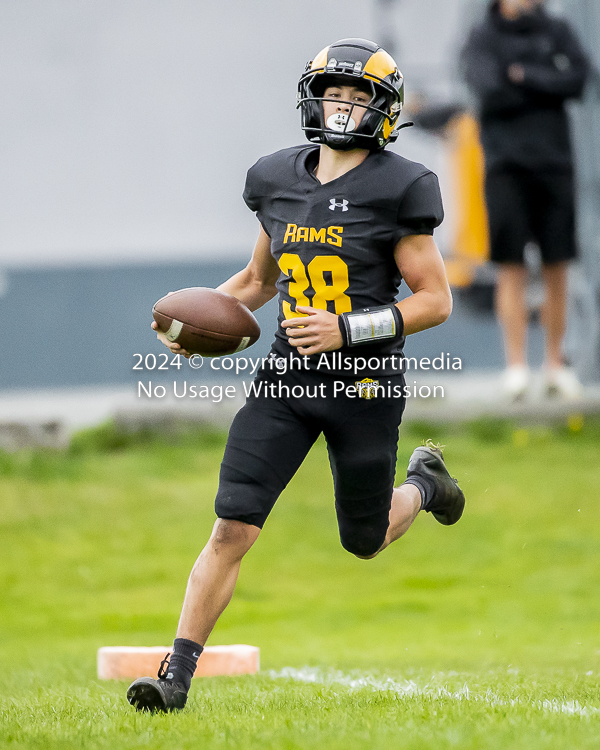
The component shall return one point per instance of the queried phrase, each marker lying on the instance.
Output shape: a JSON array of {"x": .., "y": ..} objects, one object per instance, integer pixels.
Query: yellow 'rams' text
[{"x": 331, "y": 235}]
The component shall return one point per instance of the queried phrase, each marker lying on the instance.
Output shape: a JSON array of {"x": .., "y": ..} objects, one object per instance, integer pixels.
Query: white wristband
[{"x": 371, "y": 324}]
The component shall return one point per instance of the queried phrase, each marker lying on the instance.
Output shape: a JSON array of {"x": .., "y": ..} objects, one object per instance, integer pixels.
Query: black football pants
[{"x": 271, "y": 435}]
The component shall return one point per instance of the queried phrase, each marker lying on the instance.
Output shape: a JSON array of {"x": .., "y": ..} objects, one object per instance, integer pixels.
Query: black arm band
[{"x": 371, "y": 324}]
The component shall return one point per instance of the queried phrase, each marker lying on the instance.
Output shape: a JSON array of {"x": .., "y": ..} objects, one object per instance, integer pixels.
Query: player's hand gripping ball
[{"x": 205, "y": 321}]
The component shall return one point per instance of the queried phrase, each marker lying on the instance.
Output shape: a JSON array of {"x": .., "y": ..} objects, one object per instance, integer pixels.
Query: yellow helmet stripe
[
  {"x": 380, "y": 64},
  {"x": 320, "y": 60},
  {"x": 388, "y": 126}
]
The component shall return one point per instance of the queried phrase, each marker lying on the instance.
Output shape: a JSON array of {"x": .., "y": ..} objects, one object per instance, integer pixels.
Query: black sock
[
  {"x": 425, "y": 486},
  {"x": 183, "y": 661}
]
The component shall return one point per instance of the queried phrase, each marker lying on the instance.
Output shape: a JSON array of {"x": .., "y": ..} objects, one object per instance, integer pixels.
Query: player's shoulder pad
[
  {"x": 386, "y": 180},
  {"x": 272, "y": 174}
]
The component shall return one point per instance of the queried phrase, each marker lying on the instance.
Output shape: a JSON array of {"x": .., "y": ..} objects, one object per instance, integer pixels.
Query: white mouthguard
[{"x": 341, "y": 123}]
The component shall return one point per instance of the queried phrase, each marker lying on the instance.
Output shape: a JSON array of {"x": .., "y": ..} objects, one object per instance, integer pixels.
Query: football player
[{"x": 342, "y": 222}]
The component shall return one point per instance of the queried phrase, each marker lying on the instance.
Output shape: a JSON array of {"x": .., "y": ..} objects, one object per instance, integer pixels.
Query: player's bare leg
[
  {"x": 213, "y": 578},
  {"x": 209, "y": 590},
  {"x": 406, "y": 504}
]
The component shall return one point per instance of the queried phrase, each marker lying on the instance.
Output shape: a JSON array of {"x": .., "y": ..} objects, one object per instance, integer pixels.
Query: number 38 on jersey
[{"x": 326, "y": 274}]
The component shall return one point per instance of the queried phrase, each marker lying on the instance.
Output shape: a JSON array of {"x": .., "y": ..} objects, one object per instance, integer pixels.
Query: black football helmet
[{"x": 353, "y": 62}]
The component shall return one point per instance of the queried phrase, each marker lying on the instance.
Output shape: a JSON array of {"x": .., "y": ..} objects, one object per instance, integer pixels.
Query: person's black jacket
[{"x": 524, "y": 124}]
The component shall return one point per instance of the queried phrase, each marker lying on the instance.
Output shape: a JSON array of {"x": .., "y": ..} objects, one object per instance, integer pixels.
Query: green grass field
[{"x": 483, "y": 635}]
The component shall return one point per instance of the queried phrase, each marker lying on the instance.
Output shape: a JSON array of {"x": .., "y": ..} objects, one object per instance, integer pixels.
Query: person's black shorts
[
  {"x": 271, "y": 435},
  {"x": 526, "y": 205}
]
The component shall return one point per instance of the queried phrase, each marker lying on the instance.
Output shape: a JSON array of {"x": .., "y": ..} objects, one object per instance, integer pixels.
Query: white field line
[{"x": 409, "y": 689}]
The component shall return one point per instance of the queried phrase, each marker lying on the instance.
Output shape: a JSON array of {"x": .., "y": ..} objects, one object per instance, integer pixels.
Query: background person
[{"x": 522, "y": 65}]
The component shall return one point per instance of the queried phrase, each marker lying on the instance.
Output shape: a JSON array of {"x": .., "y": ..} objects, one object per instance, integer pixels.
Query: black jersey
[{"x": 334, "y": 243}]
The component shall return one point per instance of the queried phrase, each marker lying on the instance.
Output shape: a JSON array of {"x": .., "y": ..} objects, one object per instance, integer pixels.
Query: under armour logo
[{"x": 333, "y": 204}]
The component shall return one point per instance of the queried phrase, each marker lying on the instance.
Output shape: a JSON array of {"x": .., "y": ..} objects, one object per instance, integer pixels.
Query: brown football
[{"x": 205, "y": 321}]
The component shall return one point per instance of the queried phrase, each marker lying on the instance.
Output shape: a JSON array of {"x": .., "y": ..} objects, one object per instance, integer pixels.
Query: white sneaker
[
  {"x": 562, "y": 382},
  {"x": 515, "y": 382}
]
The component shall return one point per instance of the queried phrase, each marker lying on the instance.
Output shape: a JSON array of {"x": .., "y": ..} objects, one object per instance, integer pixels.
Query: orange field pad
[{"x": 129, "y": 662}]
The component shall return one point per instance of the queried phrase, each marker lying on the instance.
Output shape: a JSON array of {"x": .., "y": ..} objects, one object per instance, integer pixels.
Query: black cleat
[
  {"x": 148, "y": 694},
  {"x": 448, "y": 502}
]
